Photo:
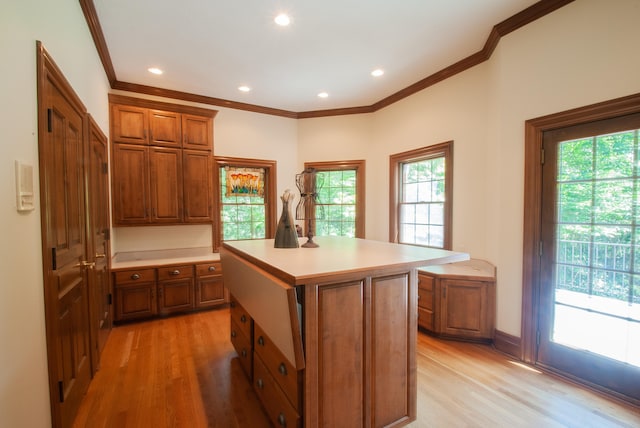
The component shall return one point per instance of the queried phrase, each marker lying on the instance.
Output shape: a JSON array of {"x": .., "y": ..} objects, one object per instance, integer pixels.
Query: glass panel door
[{"x": 590, "y": 292}]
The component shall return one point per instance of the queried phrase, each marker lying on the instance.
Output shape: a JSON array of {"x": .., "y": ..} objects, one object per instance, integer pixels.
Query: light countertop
[{"x": 136, "y": 259}]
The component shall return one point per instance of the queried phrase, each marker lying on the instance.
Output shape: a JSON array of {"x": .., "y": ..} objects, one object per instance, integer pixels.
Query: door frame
[{"x": 534, "y": 156}]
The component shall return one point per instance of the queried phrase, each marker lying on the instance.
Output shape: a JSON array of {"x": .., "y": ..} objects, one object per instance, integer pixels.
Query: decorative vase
[{"x": 286, "y": 235}]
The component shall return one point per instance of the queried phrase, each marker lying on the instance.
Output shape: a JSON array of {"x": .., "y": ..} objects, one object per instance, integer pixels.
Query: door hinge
[
  {"x": 61, "y": 391},
  {"x": 542, "y": 156},
  {"x": 107, "y": 234},
  {"x": 105, "y": 167},
  {"x": 54, "y": 262},
  {"x": 540, "y": 248},
  {"x": 538, "y": 338},
  {"x": 49, "y": 125},
  {"x": 109, "y": 298}
]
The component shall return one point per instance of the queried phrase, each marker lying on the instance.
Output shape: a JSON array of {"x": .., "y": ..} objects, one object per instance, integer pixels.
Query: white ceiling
[{"x": 210, "y": 47}]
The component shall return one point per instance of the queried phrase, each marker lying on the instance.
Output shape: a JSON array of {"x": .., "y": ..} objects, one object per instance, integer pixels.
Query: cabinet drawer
[
  {"x": 135, "y": 276},
  {"x": 175, "y": 272},
  {"x": 425, "y": 318},
  {"x": 282, "y": 371},
  {"x": 425, "y": 282},
  {"x": 241, "y": 317},
  {"x": 207, "y": 269},
  {"x": 273, "y": 399},
  {"x": 242, "y": 345}
]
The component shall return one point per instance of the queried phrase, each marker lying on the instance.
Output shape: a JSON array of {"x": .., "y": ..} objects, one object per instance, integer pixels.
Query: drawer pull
[
  {"x": 233, "y": 333},
  {"x": 175, "y": 272},
  {"x": 243, "y": 318},
  {"x": 261, "y": 341},
  {"x": 244, "y": 353},
  {"x": 282, "y": 369},
  {"x": 212, "y": 268},
  {"x": 135, "y": 276},
  {"x": 233, "y": 304},
  {"x": 260, "y": 383},
  {"x": 282, "y": 421}
]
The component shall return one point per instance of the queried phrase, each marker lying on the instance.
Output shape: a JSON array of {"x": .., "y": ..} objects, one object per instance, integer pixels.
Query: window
[
  {"x": 244, "y": 217},
  {"x": 341, "y": 197},
  {"x": 421, "y": 196}
]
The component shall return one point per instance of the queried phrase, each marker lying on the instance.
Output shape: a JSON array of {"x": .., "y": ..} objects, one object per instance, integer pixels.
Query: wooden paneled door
[
  {"x": 62, "y": 150},
  {"x": 100, "y": 288}
]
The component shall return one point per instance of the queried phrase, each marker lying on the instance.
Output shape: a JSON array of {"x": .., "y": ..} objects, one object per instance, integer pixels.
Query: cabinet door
[
  {"x": 129, "y": 124},
  {"x": 197, "y": 132},
  {"x": 135, "y": 301},
  {"x": 465, "y": 308},
  {"x": 130, "y": 181},
  {"x": 209, "y": 291},
  {"x": 165, "y": 128},
  {"x": 426, "y": 302},
  {"x": 175, "y": 295},
  {"x": 166, "y": 184},
  {"x": 198, "y": 188}
]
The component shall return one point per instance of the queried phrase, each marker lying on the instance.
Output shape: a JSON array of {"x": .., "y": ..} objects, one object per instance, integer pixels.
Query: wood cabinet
[
  {"x": 458, "y": 300},
  {"x": 210, "y": 289},
  {"x": 175, "y": 289},
  {"x": 148, "y": 292},
  {"x": 334, "y": 333},
  {"x": 242, "y": 335},
  {"x": 135, "y": 292},
  {"x": 162, "y": 158}
]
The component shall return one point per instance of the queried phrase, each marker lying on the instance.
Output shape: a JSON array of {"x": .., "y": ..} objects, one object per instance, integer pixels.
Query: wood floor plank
[{"x": 183, "y": 372}]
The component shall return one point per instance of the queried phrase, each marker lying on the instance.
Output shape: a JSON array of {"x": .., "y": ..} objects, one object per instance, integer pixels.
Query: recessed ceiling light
[
  {"x": 155, "y": 70},
  {"x": 377, "y": 72},
  {"x": 323, "y": 95},
  {"x": 244, "y": 88},
  {"x": 282, "y": 20}
]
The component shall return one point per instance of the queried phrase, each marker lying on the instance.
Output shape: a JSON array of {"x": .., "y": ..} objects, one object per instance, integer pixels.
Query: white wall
[
  {"x": 60, "y": 25},
  {"x": 581, "y": 54}
]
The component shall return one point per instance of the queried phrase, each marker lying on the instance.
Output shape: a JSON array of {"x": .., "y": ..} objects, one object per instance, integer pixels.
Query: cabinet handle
[
  {"x": 244, "y": 353},
  {"x": 282, "y": 369},
  {"x": 212, "y": 268},
  {"x": 233, "y": 304},
  {"x": 243, "y": 319},
  {"x": 233, "y": 333},
  {"x": 135, "y": 276},
  {"x": 175, "y": 272},
  {"x": 100, "y": 256},
  {"x": 261, "y": 341},
  {"x": 260, "y": 383},
  {"x": 282, "y": 421}
]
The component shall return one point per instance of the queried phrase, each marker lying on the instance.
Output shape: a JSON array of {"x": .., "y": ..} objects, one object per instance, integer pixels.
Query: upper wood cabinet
[
  {"x": 161, "y": 163},
  {"x": 139, "y": 121}
]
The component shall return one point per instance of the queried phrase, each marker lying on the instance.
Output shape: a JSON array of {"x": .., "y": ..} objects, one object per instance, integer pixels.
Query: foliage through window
[
  {"x": 421, "y": 194},
  {"x": 341, "y": 197},
  {"x": 241, "y": 216}
]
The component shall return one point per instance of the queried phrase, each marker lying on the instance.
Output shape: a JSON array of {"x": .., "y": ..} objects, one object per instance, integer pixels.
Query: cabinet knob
[
  {"x": 244, "y": 353},
  {"x": 282, "y": 421},
  {"x": 212, "y": 268},
  {"x": 233, "y": 333},
  {"x": 260, "y": 383},
  {"x": 261, "y": 341},
  {"x": 233, "y": 304},
  {"x": 175, "y": 272},
  {"x": 243, "y": 318},
  {"x": 282, "y": 369},
  {"x": 135, "y": 276}
]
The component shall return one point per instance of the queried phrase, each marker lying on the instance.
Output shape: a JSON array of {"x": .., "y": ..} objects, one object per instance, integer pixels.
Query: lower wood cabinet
[
  {"x": 457, "y": 300},
  {"x": 276, "y": 382},
  {"x": 163, "y": 290},
  {"x": 175, "y": 289},
  {"x": 135, "y": 292}
]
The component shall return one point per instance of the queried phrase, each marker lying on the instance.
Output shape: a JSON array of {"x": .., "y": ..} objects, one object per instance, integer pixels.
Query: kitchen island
[{"x": 333, "y": 329}]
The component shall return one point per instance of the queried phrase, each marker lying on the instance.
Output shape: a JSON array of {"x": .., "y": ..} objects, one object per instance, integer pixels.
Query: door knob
[{"x": 84, "y": 263}]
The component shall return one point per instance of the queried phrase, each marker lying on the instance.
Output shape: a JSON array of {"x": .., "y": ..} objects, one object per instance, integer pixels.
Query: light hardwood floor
[{"x": 183, "y": 372}]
